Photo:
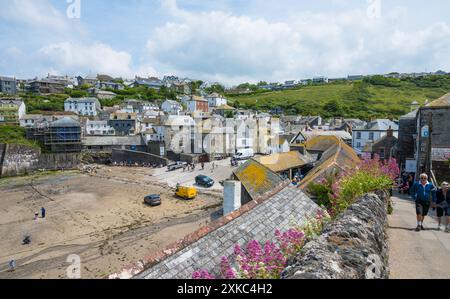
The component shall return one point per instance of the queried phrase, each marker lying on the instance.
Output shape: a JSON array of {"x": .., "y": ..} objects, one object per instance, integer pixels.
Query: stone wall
[
  {"x": 2, "y": 156},
  {"x": 20, "y": 159},
  {"x": 60, "y": 161},
  {"x": 281, "y": 211},
  {"x": 354, "y": 246},
  {"x": 132, "y": 157}
]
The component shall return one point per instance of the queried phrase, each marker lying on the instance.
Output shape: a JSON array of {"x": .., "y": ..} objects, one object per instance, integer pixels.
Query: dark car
[
  {"x": 203, "y": 180},
  {"x": 153, "y": 200}
]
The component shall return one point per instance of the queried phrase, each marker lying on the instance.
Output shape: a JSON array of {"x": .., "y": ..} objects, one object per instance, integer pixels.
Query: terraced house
[
  {"x": 8, "y": 85},
  {"x": 11, "y": 110},
  {"x": 82, "y": 106}
]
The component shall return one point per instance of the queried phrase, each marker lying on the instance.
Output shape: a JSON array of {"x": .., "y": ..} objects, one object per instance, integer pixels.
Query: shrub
[
  {"x": 337, "y": 193},
  {"x": 370, "y": 175}
]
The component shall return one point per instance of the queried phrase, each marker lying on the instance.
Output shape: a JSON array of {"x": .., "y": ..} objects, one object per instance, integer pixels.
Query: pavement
[
  {"x": 222, "y": 171},
  {"x": 416, "y": 255}
]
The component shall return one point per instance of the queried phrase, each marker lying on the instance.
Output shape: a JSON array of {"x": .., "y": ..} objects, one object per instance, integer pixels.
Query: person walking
[
  {"x": 43, "y": 212},
  {"x": 12, "y": 265},
  {"x": 443, "y": 206},
  {"x": 423, "y": 193}
]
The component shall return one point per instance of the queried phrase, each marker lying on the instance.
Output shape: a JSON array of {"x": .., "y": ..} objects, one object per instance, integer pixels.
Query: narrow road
[{"x": 416, "y": 255}]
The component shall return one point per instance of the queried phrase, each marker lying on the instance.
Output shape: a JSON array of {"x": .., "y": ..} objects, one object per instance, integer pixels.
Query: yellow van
[{"x": 186, "y": 192}]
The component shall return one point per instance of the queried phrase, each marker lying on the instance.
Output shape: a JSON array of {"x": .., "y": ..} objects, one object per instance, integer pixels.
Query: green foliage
[
  {"x": 217, "y": 88},
  {"x": 249, "y": 86},
  {"x": 39, "y": 104},
  {"x": 321, "y": 191},
  {"x": 15, "y": 135},
  {"x": 333, "y": 109},
  {"x": 381, "y": 80},
  {"x": 357, "y": 100},
  {"x": 442, "y": 81},
  {"x": 76, "y": 93},
  {"x": 166, "y": 93},
  {"x": 359, "y": 184},
  {"x": 338, "y": 191},
  {"x": 85, "y": 86},
  {"x": 195, "y": 85},
  {"x": 111, "y": 102},
  {"x": 229, "y": 114}
]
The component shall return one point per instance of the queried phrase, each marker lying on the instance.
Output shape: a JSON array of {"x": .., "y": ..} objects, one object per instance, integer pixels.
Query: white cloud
[
  {"x": 95, "y": 57},
  {"x": 36, "y": 13},
  {"x": 228, "y": 47}
]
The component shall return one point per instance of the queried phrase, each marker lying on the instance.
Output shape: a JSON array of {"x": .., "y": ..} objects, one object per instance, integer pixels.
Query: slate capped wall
[{"x": 287, "y": 208}]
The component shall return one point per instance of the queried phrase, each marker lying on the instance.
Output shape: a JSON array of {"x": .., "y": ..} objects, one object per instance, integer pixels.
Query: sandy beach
[{"x": 100, "y": 217}]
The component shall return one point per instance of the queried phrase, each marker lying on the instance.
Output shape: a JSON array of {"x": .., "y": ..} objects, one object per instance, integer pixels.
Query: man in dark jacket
[
  {"x": 443, "y": 205},
  {"x": 423, "y": 193}
]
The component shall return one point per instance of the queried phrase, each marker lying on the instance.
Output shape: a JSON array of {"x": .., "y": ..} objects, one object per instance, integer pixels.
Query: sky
[{"x": 229, "y": 41}]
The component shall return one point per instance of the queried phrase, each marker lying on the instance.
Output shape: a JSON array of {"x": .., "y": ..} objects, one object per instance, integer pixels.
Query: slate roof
[
  {"x": 83, "y": 100},
  {"x": 443, "y": 101},
  {"x": 225, "y": 107},
  {"x": 378, "y": 125},
  {"x": 284, "y": 161},
  {"x": 256, "y": 178},
  {"x": 412, "y": 114},
  {"x": 336, "y": 157},
  {"x": 13, "y": 101},
  {"x": 112, "y": 140},
  {"x": 65, "y": 122},
  {"x": 204, "y": 248}
]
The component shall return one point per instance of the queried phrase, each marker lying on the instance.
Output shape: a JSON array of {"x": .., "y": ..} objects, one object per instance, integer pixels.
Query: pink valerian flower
[
  {"x": 290, "y": 241},
  {"x": 260, "y": 262},
  {"x": 203, "y": 274},
  {"x": 226, "y": 270}
]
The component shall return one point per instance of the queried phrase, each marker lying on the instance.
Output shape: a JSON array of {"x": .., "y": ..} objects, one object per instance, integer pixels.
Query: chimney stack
[
  {"x": 231, "y": 196},
  {"x": 390, "y": 132}
]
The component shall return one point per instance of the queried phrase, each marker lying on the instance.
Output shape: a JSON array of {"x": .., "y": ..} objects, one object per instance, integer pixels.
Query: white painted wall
[
  {"x": 359, "y": 142},
  {"x": 231, "y": 196}
]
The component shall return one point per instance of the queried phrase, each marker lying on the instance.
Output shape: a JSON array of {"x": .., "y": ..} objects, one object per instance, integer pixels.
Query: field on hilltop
[{"x": 361, "y": 99}]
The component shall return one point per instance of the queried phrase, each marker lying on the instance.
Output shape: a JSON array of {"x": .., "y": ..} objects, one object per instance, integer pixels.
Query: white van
[{"x": 244, "y": 154}]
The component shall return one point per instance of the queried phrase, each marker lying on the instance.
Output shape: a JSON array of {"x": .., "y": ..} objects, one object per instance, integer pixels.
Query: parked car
[
  {"x": 153, "y": 200},
  {"x": 186, "y": 192},
  {"x": 176, "y": 165},
  {"x": 203, "y": 180}
]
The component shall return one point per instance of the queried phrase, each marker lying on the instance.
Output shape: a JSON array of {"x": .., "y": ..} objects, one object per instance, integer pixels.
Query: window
[
  {"x": 358, "y": 135},
  {"x": 358, "y": 144},
  {"x": 371, "y": 136}
]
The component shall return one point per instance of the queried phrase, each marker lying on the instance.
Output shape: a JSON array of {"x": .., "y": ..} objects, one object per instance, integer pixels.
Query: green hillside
[{"x": 386, "y": 98}]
